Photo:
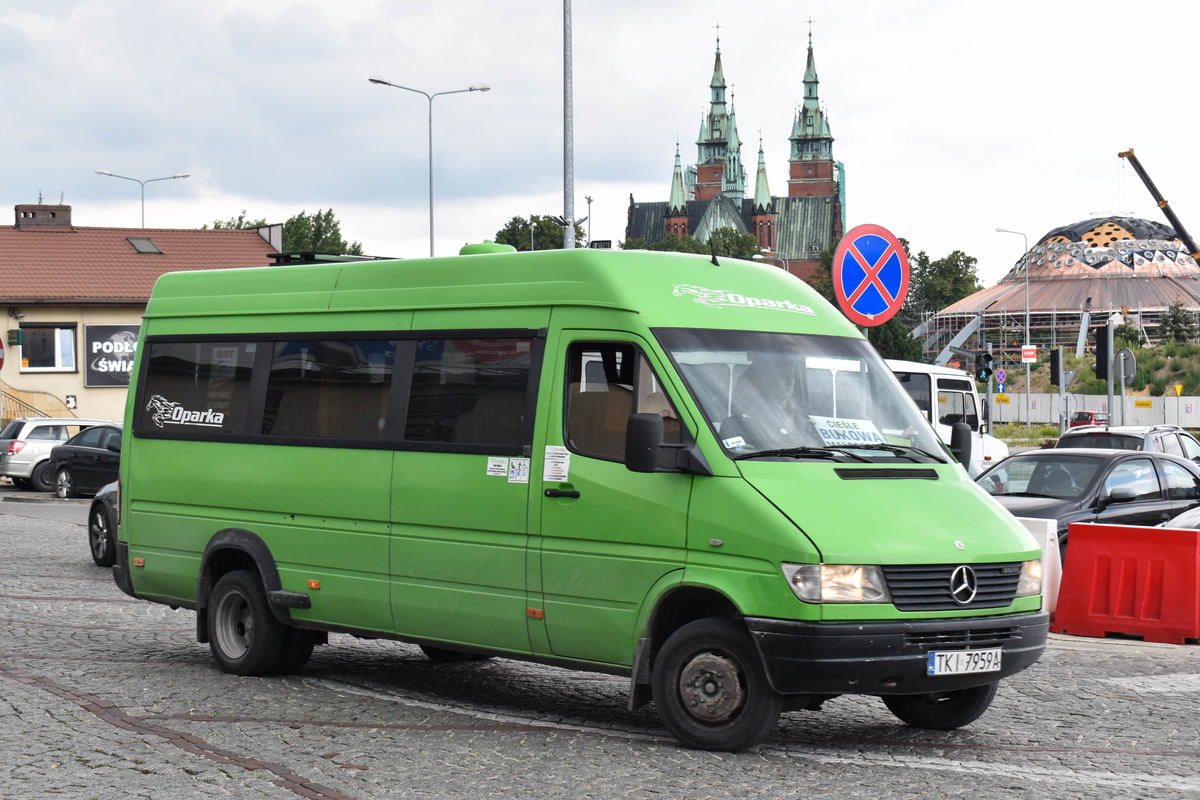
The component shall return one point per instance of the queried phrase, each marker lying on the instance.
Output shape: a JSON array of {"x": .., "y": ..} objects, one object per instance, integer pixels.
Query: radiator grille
[
  {"x": 967, "y": 638},
  {"x": 926, "y": 587}
]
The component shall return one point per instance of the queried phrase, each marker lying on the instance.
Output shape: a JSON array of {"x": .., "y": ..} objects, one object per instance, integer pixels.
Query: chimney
[{"x": 37, "y": 217}]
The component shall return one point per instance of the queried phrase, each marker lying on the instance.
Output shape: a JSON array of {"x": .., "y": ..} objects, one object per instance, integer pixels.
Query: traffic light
[
  {"x": 984, "y": 363},
  {"x": 1056, "y": 367},
  {"x": 1102, "y": 358}
]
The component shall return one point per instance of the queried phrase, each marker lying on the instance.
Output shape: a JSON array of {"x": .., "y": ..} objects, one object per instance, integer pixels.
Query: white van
[{"x": 957, "y": 401}]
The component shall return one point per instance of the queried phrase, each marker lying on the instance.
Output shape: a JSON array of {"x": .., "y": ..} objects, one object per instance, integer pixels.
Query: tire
[
  {"x": 942, "y": 711},
  {"x": 243, "y": 634},
  {"x": 445, "y": 656},
  {"x": 710, "y": 687},
  {"x": 64, "y": 486},
  {"x": 101, "y": 536},
  {"x": 20, "y": 483},
  {"x": 41, "y": 477},
  {"x": 297, "y": 648}
]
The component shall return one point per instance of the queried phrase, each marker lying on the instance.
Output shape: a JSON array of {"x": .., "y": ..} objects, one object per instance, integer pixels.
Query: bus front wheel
[
  {"x": 942, "y": 711},
  {"x": 244, "y": 635},
  {"x": 710, "y": 687}
]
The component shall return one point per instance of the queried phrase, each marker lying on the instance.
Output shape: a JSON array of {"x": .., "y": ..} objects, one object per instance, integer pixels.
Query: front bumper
[{"x": 890, "y": 657}]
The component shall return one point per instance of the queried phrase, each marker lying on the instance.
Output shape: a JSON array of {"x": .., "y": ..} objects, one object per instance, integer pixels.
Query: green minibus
[{"x": 690, "y": 471}]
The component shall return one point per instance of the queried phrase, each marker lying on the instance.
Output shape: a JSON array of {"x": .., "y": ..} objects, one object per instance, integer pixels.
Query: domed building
[{"x": 1077, "y": 276}]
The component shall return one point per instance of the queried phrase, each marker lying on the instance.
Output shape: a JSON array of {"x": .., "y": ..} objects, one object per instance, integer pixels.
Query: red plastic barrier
[{"x": 1129, "y": 579}]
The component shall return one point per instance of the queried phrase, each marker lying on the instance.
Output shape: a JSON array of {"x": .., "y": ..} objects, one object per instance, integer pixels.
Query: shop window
[{"x": 48, "y": 348}]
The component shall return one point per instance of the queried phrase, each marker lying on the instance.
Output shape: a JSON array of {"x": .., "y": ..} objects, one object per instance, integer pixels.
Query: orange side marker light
[
  {"x": 314, "y": 584},
  {"x": 536, "y": 613},
  {"x": 139, "y": 562}
]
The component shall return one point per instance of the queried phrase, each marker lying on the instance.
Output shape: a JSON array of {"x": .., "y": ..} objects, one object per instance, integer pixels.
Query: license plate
[{"x": 961, "y": 662}]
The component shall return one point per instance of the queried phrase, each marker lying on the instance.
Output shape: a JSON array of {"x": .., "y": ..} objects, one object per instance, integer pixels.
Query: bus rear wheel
[
  {"x": 942, "y": 711},
  {"x": 710, "y": 687},
  {"x": 243, "y": 634}
]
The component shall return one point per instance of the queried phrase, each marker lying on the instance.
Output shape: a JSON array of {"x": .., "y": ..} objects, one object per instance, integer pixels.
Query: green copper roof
[
  {"x": 762, "y": 193},
  {"x": 678, "y": 201}
]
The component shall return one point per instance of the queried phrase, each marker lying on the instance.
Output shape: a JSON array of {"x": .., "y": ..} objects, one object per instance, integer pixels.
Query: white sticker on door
[
  {"x": 557, "y": 468},
  {"x": 497, "y": 466},
  {"x": 836, "y": 431},
  {"x": 518, "y": 470}
]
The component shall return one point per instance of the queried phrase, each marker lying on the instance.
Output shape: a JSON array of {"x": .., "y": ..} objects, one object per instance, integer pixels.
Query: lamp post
[
  {"x": 143, "y": 184},
  {"x": 1026, "y": 341},
  {"x": 479, "y": 87}
]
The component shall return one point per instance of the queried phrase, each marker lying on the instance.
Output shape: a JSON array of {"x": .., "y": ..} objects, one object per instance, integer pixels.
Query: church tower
[
  {"x": 813, "y": 172},
  {"x": 677, "y": 212},
  {"x": 713, "y": 143},
  {"x": 762, "y": 217}
]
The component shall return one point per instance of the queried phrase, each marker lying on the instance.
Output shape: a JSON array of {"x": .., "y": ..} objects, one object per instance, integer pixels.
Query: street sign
[
  {"x": 1000, "y": 388},
  {"x": 1128, "y": 364},
  {"x": 1067, "y": 405},
  {"x": 1178, "y": 386},
  {"x": 1143, "y": 404},
  {"x": 1001, "y": 376},
  {"x": 870, "y": 275},
  {"x": 1002, "y": 399},
  {"x": 1029, "y": 354},
  {"x": 1, "y": 354}
]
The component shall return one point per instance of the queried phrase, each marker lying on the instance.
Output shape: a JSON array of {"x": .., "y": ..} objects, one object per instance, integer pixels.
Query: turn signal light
[
  {"x": 314, "y": 584},
  {"x": 14, "y": 447},
  {"x": 139, "y": 562},
  {"x": 533, "y": 613}
]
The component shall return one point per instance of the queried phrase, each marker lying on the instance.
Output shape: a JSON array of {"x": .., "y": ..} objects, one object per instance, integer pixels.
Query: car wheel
[
  {"x": 710, "y": 687},
  {"x": 20, "y": 483},
  {"x": 64, "y": 487},
  {"x": 942, "y": 711},
  {"x": 42, "y": 478},
  {"x": 101, "y": 536},
  {"x": 445, "y": 655},
  {"x": 297, "y": 648},
  {"x": 243, "y": 634}
]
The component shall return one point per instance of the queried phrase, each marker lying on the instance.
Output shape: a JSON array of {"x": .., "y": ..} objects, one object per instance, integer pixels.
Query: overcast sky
[{"x": 952, "y": 118}]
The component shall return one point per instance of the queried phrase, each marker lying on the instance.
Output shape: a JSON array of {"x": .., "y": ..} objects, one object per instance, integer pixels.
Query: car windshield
[
  {"x": 800, "y": 395},
  {"x": 1045, "y": 474},
  {"x": 1108, "y": 441}
]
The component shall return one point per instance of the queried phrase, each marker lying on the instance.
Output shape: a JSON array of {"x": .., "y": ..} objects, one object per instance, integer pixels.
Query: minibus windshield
[{"x": 781, "y": 394}]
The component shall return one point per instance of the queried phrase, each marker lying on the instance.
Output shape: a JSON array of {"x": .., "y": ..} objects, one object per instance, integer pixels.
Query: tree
[
  {"x": 933, "y": 285},
  {"x": 237, "y": 223},
  {"x": 822, "y": 277},
  {"x": 1178, "y": 324},
  {"x": 319, "y": 232},
  {"x": 547, "y": 234},
  {"x": 724, "y": 242},
  {"x": 892, "y": 340}
]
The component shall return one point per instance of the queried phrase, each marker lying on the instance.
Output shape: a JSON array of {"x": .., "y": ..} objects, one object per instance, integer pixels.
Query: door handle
[{"x": 574, "y": 495}]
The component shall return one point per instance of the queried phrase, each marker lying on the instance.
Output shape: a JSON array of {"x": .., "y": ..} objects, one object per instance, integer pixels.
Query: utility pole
[{"x": 568, "y": 135}]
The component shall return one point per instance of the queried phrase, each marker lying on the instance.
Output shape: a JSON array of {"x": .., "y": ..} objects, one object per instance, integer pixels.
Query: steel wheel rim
[
  {"x": 99, "y": 533},
  {"x": 64, "y": 483},
  {"x": 234, "y": 624},
  {"x": 711, "y": 688}
]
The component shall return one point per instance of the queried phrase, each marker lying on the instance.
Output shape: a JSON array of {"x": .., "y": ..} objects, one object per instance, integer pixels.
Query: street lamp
[
  {"x": 479, "y": 87},
  {"x": 143, "y": 183},
  {"x": 1026, "y": 342}
]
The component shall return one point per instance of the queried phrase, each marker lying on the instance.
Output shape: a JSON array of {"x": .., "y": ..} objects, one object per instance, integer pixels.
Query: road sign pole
[
  {"x": 1121, "y": 381},
  {"x": 1108, "y": 332}
]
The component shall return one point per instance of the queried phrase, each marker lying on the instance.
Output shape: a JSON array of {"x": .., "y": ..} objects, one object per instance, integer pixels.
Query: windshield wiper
[
  {"x": 898, "y": 449},
  {"x": 800, "y": 452},
  {"x": 1028, "y": 494}
]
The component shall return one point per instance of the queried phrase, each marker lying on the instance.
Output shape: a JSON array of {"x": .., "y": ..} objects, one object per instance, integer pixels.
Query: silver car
[{"x": 25, "y": 446}]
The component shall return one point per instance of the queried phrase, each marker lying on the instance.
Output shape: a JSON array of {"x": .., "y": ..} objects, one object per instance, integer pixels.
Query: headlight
[
  {"x": 837, "y": 583},
  {"x": 1031, "y": 579}
]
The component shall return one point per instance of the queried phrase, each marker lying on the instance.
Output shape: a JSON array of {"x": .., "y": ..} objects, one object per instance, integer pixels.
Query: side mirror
[
  {"x": 116, "y": 448},
  {"x": 1122, "y": 494},
  {"x": 644, "y": 443},
  {"x": 960, "y": 443},
  {"x": 986, "y": 416}
]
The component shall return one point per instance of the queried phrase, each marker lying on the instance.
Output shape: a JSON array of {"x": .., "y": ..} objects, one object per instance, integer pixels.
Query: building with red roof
[{"x": 75, "y": 297}]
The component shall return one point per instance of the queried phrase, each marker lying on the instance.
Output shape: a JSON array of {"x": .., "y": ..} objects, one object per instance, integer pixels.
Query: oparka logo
[
  {"x": 718, "y": 298},
  {"x": 168, "y": 412}
]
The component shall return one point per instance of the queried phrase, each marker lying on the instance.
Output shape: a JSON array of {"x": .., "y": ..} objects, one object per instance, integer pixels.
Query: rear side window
[
  {"x": 470, "y": 392},
  {"x": 53, "y": 432},
  {"x": 11, "y": 429},
  {"x": 197, "y": 387},
  {"x": 1181, "y": 484},
  {"x": 334, "y": 389},
  {"x": 1169, "y": 443}
]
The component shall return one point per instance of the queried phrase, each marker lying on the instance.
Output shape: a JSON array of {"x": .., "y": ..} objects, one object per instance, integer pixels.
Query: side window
[
  {"x": 47, "y": 347},
  {"x": 51, "y": 432},
  {"x": 111, "y": 436},
  {"x": 1181, "y": 485},
  {"x": 917, "y": 387},
  {"x": 950, "y": 407},
  {"x": 90, "y": 438},
  {"x": 1169, "y": 443},
  {"x": 606, "y": 382},
  {"x": 196, "y": 388},
  {"x": 470, "y": 391},
  {"x": 1191, "y": 449},
  {"x": 1136, "y": 474},
  {"x": 970, "y": 414},
  {"x": 335, "y": 389}
]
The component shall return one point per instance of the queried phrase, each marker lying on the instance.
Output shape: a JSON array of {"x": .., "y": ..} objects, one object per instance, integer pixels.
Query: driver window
[
  {"x": 606, "y": 382},
  {"x": 950, "y": 407},
  {"x": 1137, "y": 474}
]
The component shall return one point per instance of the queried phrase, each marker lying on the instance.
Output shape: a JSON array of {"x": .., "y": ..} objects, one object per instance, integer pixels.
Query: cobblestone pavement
[{"x": 105, "y": 696}]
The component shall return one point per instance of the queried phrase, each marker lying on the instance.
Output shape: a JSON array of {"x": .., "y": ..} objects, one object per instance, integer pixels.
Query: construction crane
[{"x": 1162, "y": 203}]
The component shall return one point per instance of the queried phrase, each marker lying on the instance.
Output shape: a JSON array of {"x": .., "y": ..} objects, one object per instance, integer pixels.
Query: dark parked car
[
  {"x": 1156, "y": 438},
  {"x": 1118, "y": 487},
  {"x": 102, "y": 525},
  {"x": 87, "y": 461}
]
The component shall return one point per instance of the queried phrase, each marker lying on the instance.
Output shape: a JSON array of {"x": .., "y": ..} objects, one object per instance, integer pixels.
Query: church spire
[
  {"x": 734, "y": 176},
  {"x": 811, "y": 139},
  {"x": 678, "y": 202},
  {"x": 762, "y": 193}
]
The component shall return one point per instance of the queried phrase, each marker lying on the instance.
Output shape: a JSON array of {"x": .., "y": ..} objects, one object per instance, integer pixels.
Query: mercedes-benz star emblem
[{"x": 963, "y": 585}]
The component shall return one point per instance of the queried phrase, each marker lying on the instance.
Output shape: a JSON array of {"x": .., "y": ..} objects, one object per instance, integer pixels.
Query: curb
[{"x": 44, "y": 498}]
